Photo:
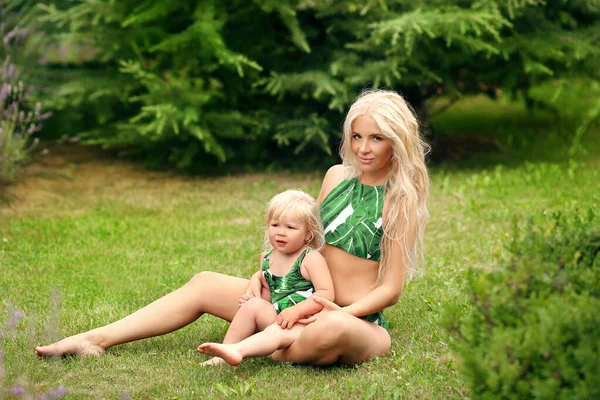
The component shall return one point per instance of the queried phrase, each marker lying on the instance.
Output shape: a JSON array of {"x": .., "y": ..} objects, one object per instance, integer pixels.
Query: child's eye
[
  {"x": 291, "y": 227},
  {"x": 274, "y": 225}
]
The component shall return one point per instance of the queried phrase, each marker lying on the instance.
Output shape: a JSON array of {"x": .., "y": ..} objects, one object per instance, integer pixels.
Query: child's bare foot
[
  {"x": 213, "y": 362},
  {"x": 80, "y": 345},
  {"x": 225, "y": 351}
]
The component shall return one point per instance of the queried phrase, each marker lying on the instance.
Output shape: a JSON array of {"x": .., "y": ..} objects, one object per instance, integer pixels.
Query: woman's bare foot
[
  {"x": 224, "y": 351},
  {"x": 214, "y": 362},
  {"x": 81, "y": 345}
]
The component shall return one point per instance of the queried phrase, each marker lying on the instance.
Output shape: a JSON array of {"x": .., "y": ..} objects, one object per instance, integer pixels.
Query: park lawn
[{"x": 86, "y": 239}]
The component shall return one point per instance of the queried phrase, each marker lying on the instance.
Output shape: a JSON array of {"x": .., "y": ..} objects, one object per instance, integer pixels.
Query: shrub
[
  {"x": 530, "y": 327},
  {"x": 190, "y": 82}
]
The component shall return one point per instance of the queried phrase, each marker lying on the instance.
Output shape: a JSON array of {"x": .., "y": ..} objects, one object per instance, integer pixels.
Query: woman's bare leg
[
  {"x": 337, "y": 337},
  {"x": 260, "y": 344},
  {"x": 207, "y": 292}
]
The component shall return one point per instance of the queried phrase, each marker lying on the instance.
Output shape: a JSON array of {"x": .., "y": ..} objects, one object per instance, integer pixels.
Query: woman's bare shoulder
[
  {"x": 333, "y": 177},
  {"x": 338, "y": 170}
]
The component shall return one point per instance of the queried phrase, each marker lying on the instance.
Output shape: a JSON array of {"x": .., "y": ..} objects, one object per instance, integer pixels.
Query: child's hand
[
  {"x": 287, "y": 318},
  {"x": 245, "y": 297}
]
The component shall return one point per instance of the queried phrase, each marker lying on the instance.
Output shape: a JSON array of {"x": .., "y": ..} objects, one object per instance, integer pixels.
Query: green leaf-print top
[
  {"x": 289, "y": 289},
  {"x": 351, "y": 215}
]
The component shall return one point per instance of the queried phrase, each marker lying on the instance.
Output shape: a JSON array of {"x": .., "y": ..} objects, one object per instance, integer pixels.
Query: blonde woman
[{"x": 374, "y": 210}]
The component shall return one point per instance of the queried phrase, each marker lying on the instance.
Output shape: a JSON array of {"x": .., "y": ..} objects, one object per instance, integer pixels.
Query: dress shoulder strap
[
  {"x": 265, "y": 261},
  {"x": 298, "y": 262}
]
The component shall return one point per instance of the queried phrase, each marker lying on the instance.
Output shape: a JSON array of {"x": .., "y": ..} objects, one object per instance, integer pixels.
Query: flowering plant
[{"x": 19, "y": 120}]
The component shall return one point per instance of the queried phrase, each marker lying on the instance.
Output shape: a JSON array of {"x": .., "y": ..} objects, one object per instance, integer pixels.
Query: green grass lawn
[{"x": 85, "y": 240}]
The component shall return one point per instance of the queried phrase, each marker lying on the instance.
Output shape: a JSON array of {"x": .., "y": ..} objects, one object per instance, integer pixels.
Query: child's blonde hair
[
  {"x": 298, "y": 205},
  {"x": 407, "y": 180}
]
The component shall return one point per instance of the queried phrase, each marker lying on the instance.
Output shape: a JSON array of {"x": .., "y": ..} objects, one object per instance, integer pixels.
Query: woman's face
[{"x": 372, "y": 149}]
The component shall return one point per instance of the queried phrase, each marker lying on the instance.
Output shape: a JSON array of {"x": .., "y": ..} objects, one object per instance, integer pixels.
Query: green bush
[
  {"x": 530, "y": 327},
  {"x": 207, "y": 82}
]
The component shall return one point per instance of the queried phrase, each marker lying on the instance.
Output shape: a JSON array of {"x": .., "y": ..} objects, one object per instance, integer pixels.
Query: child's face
[{"x": 287, "y": 234}]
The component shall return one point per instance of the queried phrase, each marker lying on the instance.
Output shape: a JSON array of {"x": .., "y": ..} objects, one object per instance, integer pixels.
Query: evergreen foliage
[
  {"x": 234, "y": 80},
  {"x": 530, "y": 328}
]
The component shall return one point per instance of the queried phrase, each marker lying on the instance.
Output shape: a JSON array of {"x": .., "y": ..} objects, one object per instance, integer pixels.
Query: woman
[{"x": 372, "y": 246}]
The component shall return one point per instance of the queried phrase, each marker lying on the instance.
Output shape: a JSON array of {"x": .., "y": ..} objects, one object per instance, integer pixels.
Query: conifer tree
[{"x": 231, "y": 80}]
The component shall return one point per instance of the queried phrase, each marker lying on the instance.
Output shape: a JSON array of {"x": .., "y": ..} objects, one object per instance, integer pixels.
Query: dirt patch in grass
[{"x": 68, "y": 179}]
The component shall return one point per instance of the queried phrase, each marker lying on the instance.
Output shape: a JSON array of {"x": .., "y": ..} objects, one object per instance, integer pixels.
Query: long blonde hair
[
  {"x": 407, "y": 180},
  {"x": 298, "y": 205}
]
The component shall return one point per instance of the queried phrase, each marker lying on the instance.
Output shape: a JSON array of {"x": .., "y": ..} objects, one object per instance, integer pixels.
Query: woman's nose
[{"x": 364, "y": 146}]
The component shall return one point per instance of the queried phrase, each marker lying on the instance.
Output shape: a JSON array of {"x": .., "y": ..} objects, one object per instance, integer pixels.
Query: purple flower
[
  {"x": 58, "y": 392},
  {"x": 74, "y": 139},
  {"x": 45, "y": 115},
  {"x": 3, "y": 92},
  {"x": 9, "y": 36},
  {"x": 10, "y": 71},
  {"x": 17, "y": 391},
  {"x": 15, "y": 318}
]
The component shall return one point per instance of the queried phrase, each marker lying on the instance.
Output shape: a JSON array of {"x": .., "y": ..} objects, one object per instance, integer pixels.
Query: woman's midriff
[{"x": 353, "y": 277}]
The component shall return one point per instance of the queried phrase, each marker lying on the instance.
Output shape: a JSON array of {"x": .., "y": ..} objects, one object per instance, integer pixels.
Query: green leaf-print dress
[
  {"x": 351, "y": 215},
  {"x": 289, "y": 289}
]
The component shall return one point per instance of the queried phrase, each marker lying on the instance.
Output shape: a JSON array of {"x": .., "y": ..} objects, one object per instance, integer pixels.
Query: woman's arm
[
  {"x": 317, "y": 272},
  {"x": 388, "y": 292},
  {"x": 392, "y": 281}
]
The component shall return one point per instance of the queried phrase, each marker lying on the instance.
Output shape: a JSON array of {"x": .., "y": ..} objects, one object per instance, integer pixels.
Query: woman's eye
[
  {"x": 356, "y": 136},
  {"x": 377, "y": 138}
]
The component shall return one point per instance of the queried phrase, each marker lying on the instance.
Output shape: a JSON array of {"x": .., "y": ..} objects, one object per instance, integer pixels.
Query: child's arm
[
  {"x": 265, "y": 292},
  {"x": 318, "y": 274},
  {"x": 253, "y": 289},
  {"x": 256, "y": 286}
]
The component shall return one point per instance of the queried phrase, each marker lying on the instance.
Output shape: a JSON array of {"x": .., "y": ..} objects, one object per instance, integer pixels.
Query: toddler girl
[{"x": 279, "y": 294}]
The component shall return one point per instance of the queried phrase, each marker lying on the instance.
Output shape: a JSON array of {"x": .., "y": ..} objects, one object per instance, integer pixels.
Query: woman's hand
[{"x": 327, "y": 306}]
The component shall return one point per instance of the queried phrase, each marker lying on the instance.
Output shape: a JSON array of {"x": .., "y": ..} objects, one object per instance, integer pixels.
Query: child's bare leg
[
  {"x": 207, "y": 292},
  {"x": 260, "y": 344},
  {"x": 255, "y": 315}
]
